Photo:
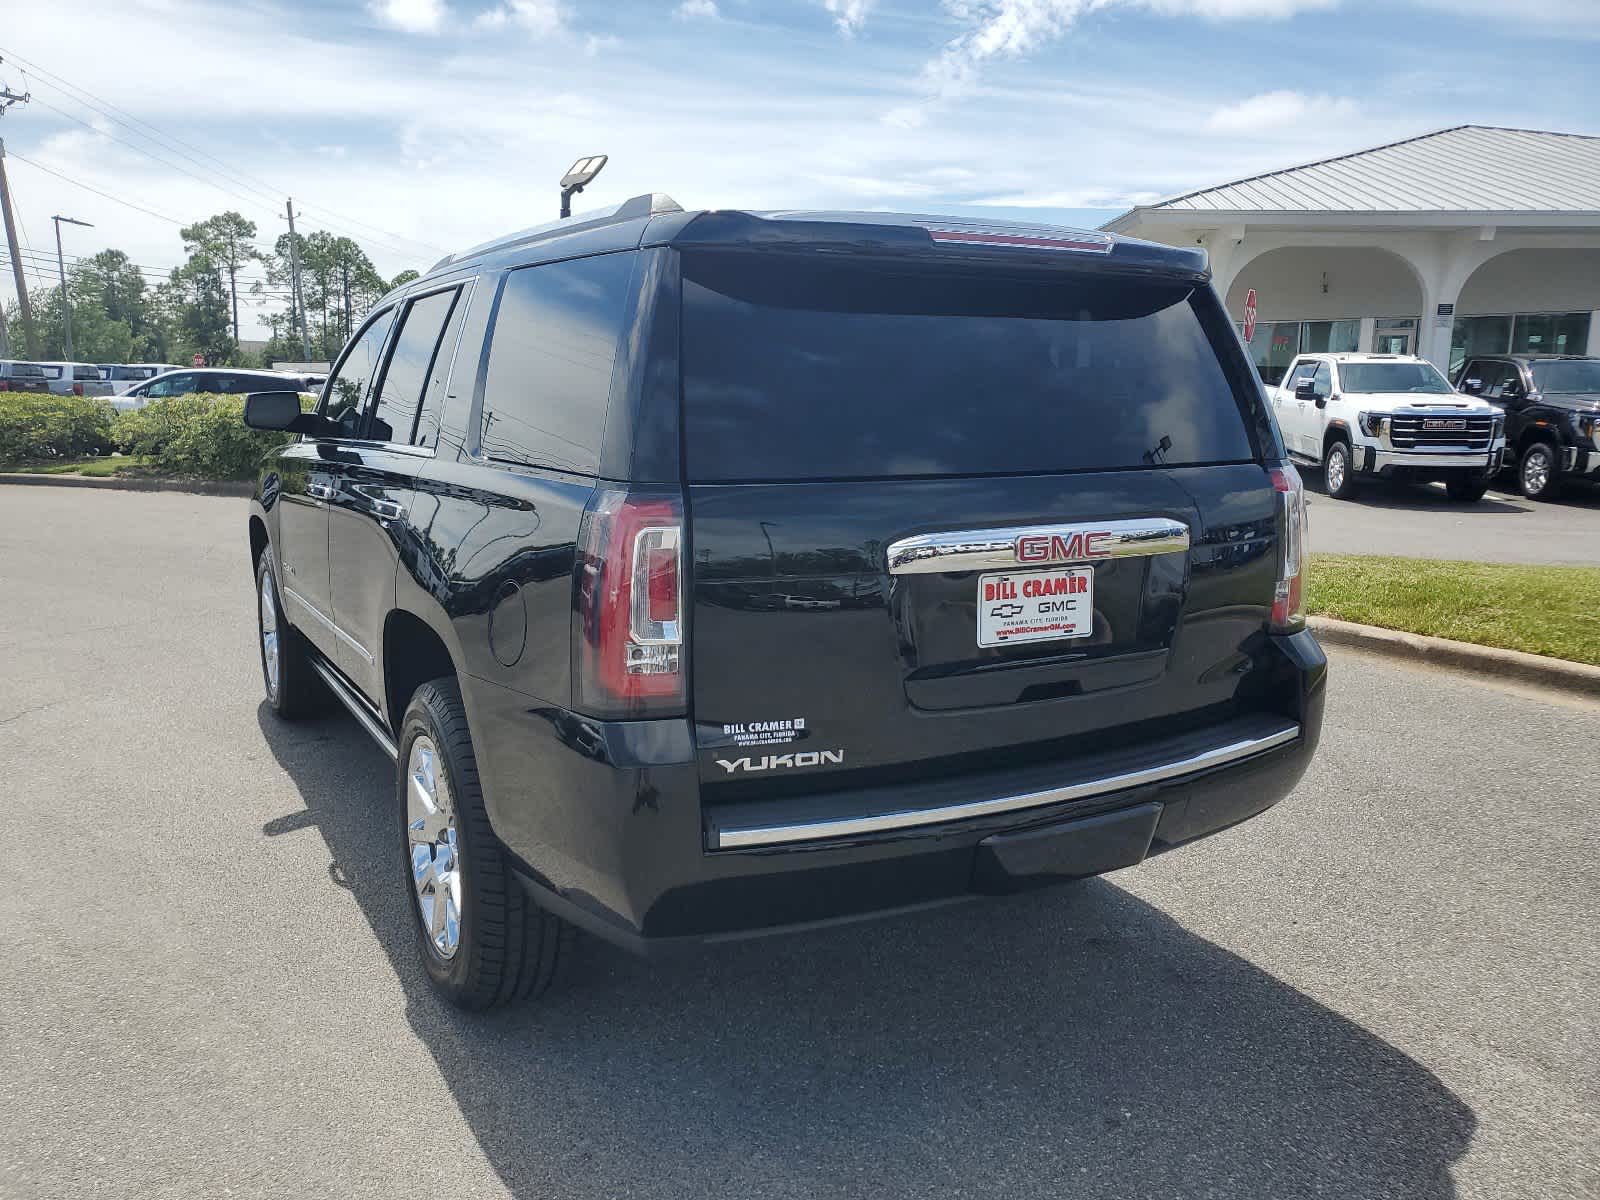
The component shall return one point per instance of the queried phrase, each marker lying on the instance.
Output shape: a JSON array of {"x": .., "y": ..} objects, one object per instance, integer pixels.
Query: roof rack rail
[{"x": 648, "y": 205}]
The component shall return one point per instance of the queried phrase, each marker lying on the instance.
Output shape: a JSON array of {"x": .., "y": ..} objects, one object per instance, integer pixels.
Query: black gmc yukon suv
[{"x": 709, "y": 573}]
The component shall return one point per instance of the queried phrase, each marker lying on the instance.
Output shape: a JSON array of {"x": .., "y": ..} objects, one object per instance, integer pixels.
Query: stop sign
[
  {"x": 1250, "y": 315},
  {"x": 199, "y": 360}
]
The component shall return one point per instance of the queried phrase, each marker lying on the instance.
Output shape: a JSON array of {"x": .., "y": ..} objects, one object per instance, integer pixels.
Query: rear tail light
[
  {"x": 628, "y": 598},
  {"x": 5, "y": 385},
  {"x": 77, "y": 389},
  {"x": 1288, "y": 602}
]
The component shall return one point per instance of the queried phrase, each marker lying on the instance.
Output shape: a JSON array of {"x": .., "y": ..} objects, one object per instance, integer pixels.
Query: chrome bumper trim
[
  {"x": 996, "y": 549},
  {"x": 725, "y": 837},
  {"x": 1475, "y": 459}
]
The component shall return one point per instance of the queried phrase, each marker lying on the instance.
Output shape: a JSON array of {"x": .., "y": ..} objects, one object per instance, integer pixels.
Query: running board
[{"x": 358, "y": 708}]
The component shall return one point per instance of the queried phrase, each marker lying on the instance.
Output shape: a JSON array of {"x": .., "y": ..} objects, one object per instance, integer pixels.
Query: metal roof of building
[{"x": 1468, "y": 168}]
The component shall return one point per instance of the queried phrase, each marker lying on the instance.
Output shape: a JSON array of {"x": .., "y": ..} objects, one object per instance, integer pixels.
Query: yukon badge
[{"x": 770, "y": 762}]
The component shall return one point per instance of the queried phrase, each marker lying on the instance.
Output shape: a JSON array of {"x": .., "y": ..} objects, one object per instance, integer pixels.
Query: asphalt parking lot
[
  {"x": 1421, "y": 522},
  {"x": 1385, "y": 987}
]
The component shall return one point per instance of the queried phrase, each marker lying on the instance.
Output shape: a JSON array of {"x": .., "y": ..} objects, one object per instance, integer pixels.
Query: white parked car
[
  {"x": 1389, "y": 416},
  {"x": 76, "y": 379}
]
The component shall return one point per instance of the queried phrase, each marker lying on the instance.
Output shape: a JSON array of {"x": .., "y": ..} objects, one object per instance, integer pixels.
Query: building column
[
  {"x": 1369, "y": 329},
  {"x": 1593, "y": 344}
]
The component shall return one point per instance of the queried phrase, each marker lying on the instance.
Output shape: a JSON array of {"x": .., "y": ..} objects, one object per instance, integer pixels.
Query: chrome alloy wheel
[
  {"x": 1333, "y": 471},
  {"x": 435, "y": 856},
  {"x": 1535, "y": 471},
  {"x": 269, "y": 634}
]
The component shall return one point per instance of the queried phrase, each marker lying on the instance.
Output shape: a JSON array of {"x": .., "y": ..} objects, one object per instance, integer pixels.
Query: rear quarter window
[
  {"x": 799, "y": 369},
  {"x": 551, "y": 354}
]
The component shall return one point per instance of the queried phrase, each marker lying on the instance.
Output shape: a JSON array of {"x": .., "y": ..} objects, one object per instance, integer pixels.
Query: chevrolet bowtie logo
[{"x": 1006, "y": 610}]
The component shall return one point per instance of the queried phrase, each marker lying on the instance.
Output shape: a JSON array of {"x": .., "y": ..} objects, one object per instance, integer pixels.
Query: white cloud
[
  {"x": 1270, "y": 112},
  {"x": 1008, "y": 29},
  {"x": 848, "y": 15},
  {"x": 691, "y": 10},
  {"x": 410, "y": 16},
  {"x": 542, "y": 17},
  {"x": 599, "y": 43}
]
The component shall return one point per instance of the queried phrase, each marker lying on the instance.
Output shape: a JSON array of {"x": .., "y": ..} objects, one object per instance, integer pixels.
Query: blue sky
[{"x": 443, "y": 122}]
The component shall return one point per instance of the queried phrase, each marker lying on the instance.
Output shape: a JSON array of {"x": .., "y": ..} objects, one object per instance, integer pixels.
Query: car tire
[
  {"x": 1338, "y": 475},
  {"x": 294, "y": 689},
  {"x": 1466, "y": 491},
  {"x": 1536, "y": 471},
  {"x": 482, "y": 940}
]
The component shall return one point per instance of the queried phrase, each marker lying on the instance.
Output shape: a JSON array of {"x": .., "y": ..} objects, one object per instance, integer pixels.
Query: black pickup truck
[
  {"x": 1552, "y": 404},
  {"x": 714, "y": 573}
]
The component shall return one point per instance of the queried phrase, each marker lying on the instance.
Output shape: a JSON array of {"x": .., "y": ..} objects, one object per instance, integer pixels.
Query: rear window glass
[
  {"x": 550, "y": 359},
  {"x": 26, "y": 371},
  {"x": 795, "y": 368}
]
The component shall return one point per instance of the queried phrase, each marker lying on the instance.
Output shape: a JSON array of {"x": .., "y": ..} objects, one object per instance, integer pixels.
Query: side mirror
[
  {"x": 1305, "y": 390},
  {"x": 1472, "y": 387},
  {"x": 1322, "y": 401},
  {"x": 279, "y": 411}
]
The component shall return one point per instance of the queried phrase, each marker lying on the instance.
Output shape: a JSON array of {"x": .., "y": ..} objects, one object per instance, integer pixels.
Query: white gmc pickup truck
[{"x": 1390, "y": 416}]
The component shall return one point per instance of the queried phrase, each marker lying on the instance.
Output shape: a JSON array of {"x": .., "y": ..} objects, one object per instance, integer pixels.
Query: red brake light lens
[
  {"x": 1288, "y": 602},
  {"x": 628, "y": 633}
]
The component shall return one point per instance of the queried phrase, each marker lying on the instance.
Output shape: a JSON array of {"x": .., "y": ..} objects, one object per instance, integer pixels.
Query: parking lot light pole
[{"x": 61, "y": 266}]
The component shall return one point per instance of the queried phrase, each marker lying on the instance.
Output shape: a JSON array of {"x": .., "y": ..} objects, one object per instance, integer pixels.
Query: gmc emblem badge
[{"x": 1082, "y": 544}]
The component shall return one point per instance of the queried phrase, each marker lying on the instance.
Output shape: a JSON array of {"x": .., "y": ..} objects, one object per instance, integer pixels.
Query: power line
[
  {"x": 149, "y": 212},
  {"x": 174, "y": 144}
]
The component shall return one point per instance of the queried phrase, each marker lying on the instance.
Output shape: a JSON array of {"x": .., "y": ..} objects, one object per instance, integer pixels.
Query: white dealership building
[{"x": 1470, "y": 240}]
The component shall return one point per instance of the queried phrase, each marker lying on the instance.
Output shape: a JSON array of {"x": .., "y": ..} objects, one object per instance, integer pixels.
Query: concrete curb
[
  {"x": 197, "y": 487},
  {"x": 1486, "y": 660}
]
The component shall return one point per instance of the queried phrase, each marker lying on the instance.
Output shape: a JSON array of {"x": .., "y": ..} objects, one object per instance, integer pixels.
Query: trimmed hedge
[
  {"x": 38, "y": 426},
  {"x": 197, "y": 434}
]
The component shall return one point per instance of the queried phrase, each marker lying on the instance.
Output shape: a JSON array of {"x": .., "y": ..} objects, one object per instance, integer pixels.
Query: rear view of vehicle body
[
  {"x": 1387, "y": 416},
  {"x": 125, "y": 375},
  {"x": 22, "y": 377},
  {"x": 1552, "y": 411},
  {"x": 790, "y": 567},
  {"x": 75, "y": 379}
]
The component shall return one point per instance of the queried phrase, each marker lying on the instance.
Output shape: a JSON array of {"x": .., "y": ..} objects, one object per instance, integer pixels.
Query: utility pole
[
  {"x": 61, "y": 265},
  {"x": 344, "y": 269},
  {"x": 297, "y": 294},
  {"x": 30, "y": 336}
]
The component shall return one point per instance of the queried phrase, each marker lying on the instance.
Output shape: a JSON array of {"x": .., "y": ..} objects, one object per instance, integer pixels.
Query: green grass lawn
[
  {"x": 97, "y": 468},
  {"x": 1542, "y": 610}
]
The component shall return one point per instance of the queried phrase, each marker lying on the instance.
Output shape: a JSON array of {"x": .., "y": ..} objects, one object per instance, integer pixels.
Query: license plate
[
  {"x": 1035, "y": 606},
  {"x": 1443, "y": 423}
]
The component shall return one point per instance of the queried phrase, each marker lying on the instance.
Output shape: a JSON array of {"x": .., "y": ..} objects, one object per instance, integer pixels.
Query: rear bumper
[{"x": 612, "y": 835}]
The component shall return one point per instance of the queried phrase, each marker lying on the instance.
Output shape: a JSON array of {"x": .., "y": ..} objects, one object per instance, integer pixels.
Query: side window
[
  {"x": 172, "y": 385},
  {"x": 439, "y": 375},
  {"x": 550, "y": 358},
  {"x": 1322, "y": 381},
  {"x": 400, "y": 393},
  {"x": 1299, "y": 373},
  {"x": 1493, "y": 376},
  {"x": 346, "y": 397}
]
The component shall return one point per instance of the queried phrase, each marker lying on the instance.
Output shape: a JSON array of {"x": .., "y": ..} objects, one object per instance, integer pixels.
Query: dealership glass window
[
  {"x": 1329, "y": 337},
  {"x": 1550, "y": 333},
  {"x": 1478, "y": 335}
]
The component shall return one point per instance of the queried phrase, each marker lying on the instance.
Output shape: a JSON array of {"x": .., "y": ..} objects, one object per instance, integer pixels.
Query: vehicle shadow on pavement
[{"x": 1070, "y": 1042}]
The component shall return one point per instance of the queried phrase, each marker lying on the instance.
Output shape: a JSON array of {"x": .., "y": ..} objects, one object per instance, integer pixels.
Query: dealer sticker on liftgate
[{"x": 1035, "y": 606}]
